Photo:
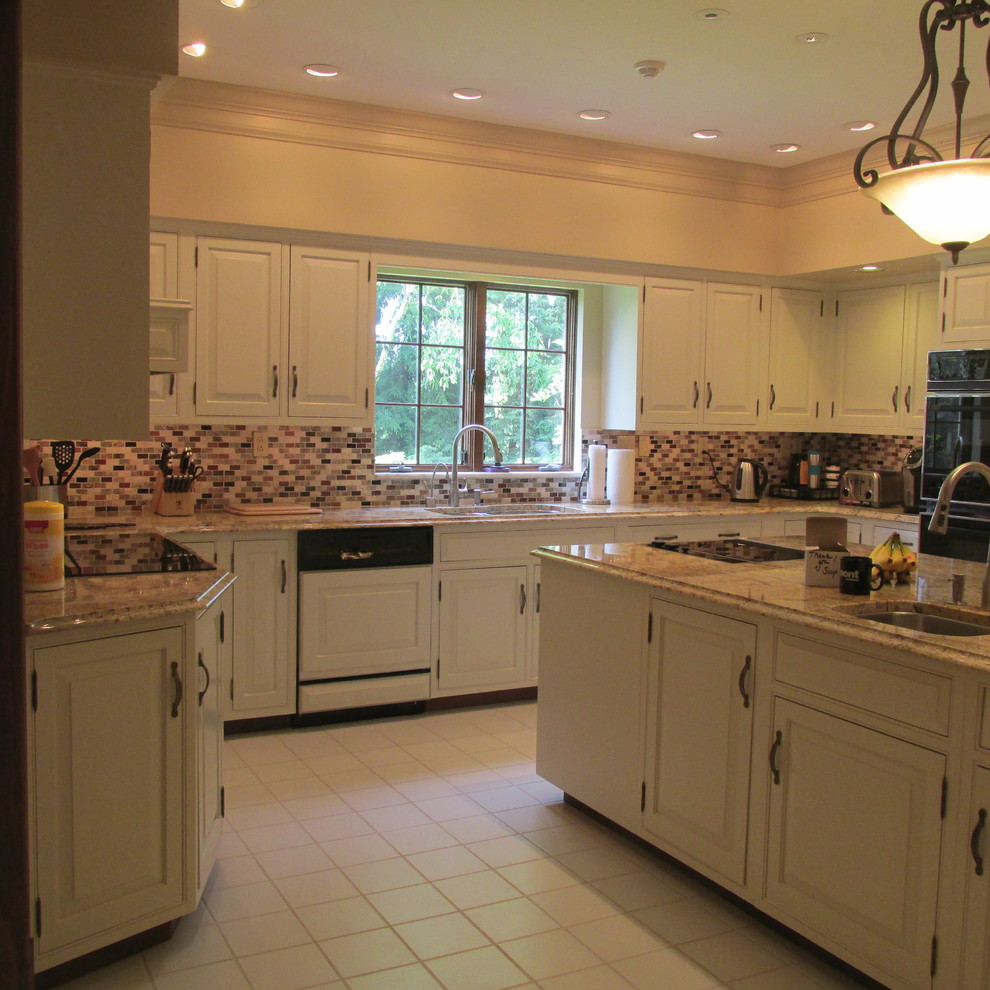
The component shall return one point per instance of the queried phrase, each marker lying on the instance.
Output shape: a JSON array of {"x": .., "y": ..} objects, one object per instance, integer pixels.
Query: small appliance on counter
[
  {"x": 911, "y": 472},
  {"x": 749, "y": 481},
  {"x": 876, "y": 489}
]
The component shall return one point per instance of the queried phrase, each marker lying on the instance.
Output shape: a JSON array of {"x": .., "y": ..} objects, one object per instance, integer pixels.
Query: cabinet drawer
[
  {"x": 904, "y": 694},
  {"x": 681, "y": 529},
  {"x": 515, "y": 545}
]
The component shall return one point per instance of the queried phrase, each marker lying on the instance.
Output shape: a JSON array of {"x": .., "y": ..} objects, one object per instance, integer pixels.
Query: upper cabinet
[
  {"x": 798, "y": 373},
  {"x": 966, "y": 306},
  {"x": 283, "y": 333}
]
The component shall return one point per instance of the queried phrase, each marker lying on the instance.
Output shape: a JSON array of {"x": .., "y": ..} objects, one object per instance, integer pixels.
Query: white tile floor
[{"x": 424, "y": 853}]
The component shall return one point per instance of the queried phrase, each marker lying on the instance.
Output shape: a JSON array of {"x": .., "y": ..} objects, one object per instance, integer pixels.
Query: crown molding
[{"x": 247, "y": 112}]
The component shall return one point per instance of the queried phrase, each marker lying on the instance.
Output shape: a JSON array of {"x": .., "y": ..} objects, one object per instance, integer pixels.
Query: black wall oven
[{"x": 957, "y": 429}]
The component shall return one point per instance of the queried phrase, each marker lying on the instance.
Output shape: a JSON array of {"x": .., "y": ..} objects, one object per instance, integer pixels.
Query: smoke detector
[{"x": 649, "y": 68}]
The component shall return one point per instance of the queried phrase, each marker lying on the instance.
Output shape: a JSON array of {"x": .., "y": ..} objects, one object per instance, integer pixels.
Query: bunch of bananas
[{"x": 895, "y": 559}]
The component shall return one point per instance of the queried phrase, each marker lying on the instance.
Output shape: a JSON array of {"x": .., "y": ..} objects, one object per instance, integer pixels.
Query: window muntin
[{"x": 450, "y": 353}]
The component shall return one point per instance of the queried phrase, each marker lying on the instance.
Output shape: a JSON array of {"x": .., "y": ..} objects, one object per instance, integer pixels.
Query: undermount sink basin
[
  {"x": 504, "y": 509},
  {"x": 938, "y": 620}
]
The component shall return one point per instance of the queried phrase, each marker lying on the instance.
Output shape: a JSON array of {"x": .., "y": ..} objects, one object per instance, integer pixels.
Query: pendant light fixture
[{"x": 945, "y": 201}]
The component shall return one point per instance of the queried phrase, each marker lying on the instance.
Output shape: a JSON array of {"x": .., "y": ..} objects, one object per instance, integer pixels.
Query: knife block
[{"x": 165, "y": 503}]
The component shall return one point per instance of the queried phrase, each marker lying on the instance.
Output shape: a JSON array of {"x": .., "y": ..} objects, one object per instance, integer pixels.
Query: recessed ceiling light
[
  {"x": 711, "y": 14},
  {"x": 860, "y": 125},
  {"x": 870, "y": 268},
  {"x": 466, "y": 94},
  {"x": 784, "y": 149},
  {"x": 319, "y": 69},
  {"x": 706, "y": 135},
  {"x": 196, "y": 49},
  {"x": 594, "y": 114},
  {"x": 811, "y": 38}
]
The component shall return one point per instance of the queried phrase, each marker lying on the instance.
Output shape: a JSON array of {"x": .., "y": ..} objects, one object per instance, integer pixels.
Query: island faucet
[
  {"x": 940, "y": 517},
  {"x": 454, "y": 491}
]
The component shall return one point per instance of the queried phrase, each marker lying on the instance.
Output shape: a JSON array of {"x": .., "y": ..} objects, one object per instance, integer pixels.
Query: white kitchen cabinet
[
  {"x": 965, "y": 304},
  {"x": 699, "y": 728},
  {"x": 735, "y": 342},
  {"x": 111, "y": 771},
  {"x": 921, "y": 335},
  {"x": 854, "y": 838},
  {"x": 877, "y": 533},
  {"x": 262, "y": 676},
  {"x": 163, "y": 270},
  {"x": 976, "y": 937},
  {"x": 799, "y": 360},
  {"x": 173, "y": 277},
  {"x": 679, "y": 528}
]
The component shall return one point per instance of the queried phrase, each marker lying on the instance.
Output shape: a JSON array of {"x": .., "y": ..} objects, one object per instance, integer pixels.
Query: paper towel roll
[
  {"x": 620, "y": 475},
  {"x": 596, "y": 472}
]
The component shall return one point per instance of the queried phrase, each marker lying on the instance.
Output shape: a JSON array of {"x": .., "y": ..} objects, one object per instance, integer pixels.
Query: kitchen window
[{"x": 456, "y": 352}]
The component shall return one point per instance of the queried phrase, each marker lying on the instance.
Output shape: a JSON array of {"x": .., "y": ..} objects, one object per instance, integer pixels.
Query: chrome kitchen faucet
[{"x": 455, "y": 493}]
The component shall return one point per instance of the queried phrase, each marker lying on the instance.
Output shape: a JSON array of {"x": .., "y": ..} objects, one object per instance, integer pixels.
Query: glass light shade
[{"x": 943, "y": 202}]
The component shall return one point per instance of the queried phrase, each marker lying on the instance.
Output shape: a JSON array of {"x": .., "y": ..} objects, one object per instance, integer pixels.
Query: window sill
[{"x": 420, "y": 475}]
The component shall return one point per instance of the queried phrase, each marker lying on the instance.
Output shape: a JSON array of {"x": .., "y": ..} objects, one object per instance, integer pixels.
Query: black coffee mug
[{"x": 859, "y": 576}]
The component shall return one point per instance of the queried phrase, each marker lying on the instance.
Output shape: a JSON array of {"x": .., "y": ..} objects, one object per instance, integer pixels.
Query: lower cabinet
[
  {"x": 976, "y": 937},
  {"x": 111, "y": 771},
  {"x": 855, "y": 837},
  {"x": 699, "y": 730}
]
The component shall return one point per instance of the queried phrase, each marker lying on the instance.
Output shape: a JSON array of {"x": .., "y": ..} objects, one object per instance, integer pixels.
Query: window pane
[
  {"x": 505, "y": 317},
  {"x": 396, "y": 373},
  {"x": 545, "y": 379},
  {"x": 398, "y": 312},
  {"x": 545, "y": 436},
  {"x": 395, "y": 434},
  {"x": 506, "y": 424},
  {"x": 440, "y": 375},
  {"x": 504, "y": 377},
  {"x": 438, "y": 426},
  {"x": 443, "y": 315},
  {"x": 547, "y": 322}
]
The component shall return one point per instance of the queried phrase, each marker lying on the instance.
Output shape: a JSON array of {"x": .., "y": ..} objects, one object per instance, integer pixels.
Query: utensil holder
[{"x": 47, "y": 493}]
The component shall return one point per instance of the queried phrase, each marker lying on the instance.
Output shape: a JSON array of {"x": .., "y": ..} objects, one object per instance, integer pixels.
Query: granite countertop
[{"x": 777, "y": 590}]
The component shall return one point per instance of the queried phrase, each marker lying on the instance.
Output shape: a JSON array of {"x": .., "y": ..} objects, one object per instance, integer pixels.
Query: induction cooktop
[
  {"x": 88, "y": 552},
  {"x": 730, "y": 551}
]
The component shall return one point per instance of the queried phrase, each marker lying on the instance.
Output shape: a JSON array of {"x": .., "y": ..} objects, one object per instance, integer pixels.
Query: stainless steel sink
[
  {"x": 505, "y": 509},
  {"x": 938, "y": 620}
]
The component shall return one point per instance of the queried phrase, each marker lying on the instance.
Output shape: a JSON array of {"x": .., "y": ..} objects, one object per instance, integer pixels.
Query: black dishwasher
[{"x": 364, "y": 621}]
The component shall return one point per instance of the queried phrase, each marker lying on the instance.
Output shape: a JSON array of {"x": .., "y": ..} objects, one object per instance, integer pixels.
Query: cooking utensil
[
  {"x": 49, "y": 469},
  {"x": 63, "y": 453},
  {"x": 31, "y": 458},
  {"x": 87, "y": 453}
]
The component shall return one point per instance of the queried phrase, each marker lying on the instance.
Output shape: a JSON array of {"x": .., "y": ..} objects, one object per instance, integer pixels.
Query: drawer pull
[
  {"x": 778, "y": 739},
  {"x": 742, "y": 680},
  {"x": 974, "y": 841},
  {"x": 727, "y": 535},
  {"x": 205, "y": 669},
  {"x": 177, "y": 681}
]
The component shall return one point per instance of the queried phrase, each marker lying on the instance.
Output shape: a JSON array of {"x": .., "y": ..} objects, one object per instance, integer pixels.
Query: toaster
[{"x": 873, "y": 488}]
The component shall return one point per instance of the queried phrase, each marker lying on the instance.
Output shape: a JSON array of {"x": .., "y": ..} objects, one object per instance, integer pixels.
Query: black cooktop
[
  {"x": 730, "y": 551},
  {"x": 90, "y": 552}
]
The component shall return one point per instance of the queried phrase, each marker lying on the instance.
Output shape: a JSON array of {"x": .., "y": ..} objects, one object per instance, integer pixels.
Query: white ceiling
[{"x": 539, "y": 62}]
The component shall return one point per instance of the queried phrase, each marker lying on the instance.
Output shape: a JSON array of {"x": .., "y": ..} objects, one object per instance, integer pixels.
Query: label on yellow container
[{"x": 44, "y": 546}]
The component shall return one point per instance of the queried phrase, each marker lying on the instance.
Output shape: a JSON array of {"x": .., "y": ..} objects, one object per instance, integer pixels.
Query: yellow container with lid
[{"x": 44, "y": 546}]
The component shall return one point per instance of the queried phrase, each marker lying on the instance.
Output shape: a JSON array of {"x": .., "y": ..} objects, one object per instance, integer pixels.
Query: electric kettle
[{"x": 750, "y": 480}]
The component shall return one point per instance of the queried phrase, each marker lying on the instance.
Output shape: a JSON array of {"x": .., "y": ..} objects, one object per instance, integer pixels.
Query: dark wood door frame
[{"x": 15, "y": 935}]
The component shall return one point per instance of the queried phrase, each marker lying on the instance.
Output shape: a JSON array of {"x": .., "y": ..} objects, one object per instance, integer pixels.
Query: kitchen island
[{"x": 828, "y": 770}]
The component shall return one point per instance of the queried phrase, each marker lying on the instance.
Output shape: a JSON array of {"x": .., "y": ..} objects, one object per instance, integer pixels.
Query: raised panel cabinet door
[
  {"x": 482, "y": 628},
  {"x": 329, "y": 334},
  {"x": 109, "y": 740},
  {"x": 698, "y": 737},
  {"x": 794, "y": 393},
  {"x": 976, "y": 940},
  {"x": 869, "y": 334},
  {"x": 966, "y": 306},
  {"x": 210, "y": 634},
  {"x": 672, "y": 352},
  {"x": 354, "y": 622},
  {"x": 238, "y": 327},
  {"x": 262, "y": 682},
  {"x": 734, "y": 352},
  {"x": 854, "y": 840},
  {"x": 921, "y": 335},
  {"x": 164, "y": 267},
  {"x": 163, "y": 396}
]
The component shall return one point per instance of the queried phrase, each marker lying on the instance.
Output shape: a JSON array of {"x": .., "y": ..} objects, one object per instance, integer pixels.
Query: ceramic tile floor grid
[{"x": 424, "y": 853}]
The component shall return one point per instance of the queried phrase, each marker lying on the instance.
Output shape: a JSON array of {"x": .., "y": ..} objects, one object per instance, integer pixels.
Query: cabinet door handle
[
  {"x": 742, "y": 680},
  {"x": 726, "y": 536},
  {"x": 205, "y": 669},
  {"x": 778, "y": 739},
  {"x": 773, "y": 395},
  {"x": 522, "y": 598},
  {"x": 697, "y": 395},
  {"x": 708, "y": 400},
  {"x": 177, "y": 682},
  {"x": 274, "y": 381},
  {"x": 907, "y": 399},
  {"x": 295, "y": 381},
  {"x": 285, "y": 577},
  {"x": 171, "y": 383},
  {"x": 537, "y": 597},
  {"x": 974, "y": 841},
  {"x": 893, "y": 398}
]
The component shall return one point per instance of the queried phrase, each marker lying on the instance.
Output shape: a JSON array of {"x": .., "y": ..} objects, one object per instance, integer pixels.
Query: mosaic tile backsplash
[{"x": 334, "y": 467}]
